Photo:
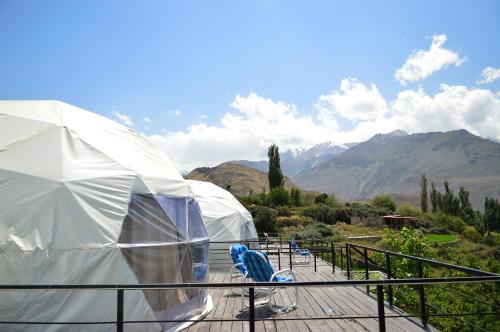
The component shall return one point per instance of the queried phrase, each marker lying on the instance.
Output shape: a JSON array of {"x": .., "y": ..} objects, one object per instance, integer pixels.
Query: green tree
[
  {"x": 321, "y": 199},
  {"x": 491, "y": 215},
  {"x": 423, "y": 193},
  {"x": 275, "y": 176},
  {"x": 434, "y": 198},
  {"x": 295, "y": 197},
  {"x": 279, "y": 197},
  {"x": 466, "y": 212},
  {"x": 383, "y": 201}
]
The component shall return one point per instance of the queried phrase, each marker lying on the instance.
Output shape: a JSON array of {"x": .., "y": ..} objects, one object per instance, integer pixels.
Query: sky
[{"x": 211, "y": 81}]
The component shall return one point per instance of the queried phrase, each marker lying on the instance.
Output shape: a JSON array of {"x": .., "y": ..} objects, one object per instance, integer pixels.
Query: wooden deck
[{"x": 313, "y": 302}]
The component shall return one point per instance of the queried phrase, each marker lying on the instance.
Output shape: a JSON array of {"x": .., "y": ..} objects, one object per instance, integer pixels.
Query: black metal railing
[
  {"x": 360, "y": 254},
  {"x": 120, "y": 290},
  {"x": 348, "y": 258}
]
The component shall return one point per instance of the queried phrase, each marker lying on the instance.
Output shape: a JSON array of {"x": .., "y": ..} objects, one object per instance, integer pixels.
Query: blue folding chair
[
  {"x": 260, "y": 269},
  {"x": 238, "y": 270},
  {"x": 302, "y": 253}
]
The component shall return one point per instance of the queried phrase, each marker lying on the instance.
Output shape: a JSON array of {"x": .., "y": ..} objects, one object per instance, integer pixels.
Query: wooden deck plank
[{"x": 313, "y": 302}]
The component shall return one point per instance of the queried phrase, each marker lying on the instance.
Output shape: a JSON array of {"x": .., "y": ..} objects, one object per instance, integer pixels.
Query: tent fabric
[
  {"x": 226, "y": 221},
  {"x": 85, "y": 200},
  {"x": 224, "y": 216}
]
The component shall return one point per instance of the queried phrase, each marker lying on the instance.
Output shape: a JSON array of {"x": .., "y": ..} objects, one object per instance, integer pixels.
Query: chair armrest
[{"x": 286, "y": 272}]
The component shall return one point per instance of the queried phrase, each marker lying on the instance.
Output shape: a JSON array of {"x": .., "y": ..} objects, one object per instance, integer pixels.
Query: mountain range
[{"x": 393, "y": 164}]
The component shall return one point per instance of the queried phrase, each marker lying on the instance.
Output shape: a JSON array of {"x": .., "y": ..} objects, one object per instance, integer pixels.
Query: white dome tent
[
  {"x": 226, "y": 220},
  {"x": 85, "y": 200}
]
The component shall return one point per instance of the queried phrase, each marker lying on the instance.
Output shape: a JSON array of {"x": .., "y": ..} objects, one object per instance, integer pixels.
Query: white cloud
[
  {"x": 257, "y": 122},
  {"x": 243, "y": 134},
  {"x": 421, "y": 64},
  {"x": 489, "y": 75},
  {"x": 354, "y": 101},
  {"x": 146, "y": 120},
  {"x": 176, "y": 113},
  {"x": 123, "y": 118},
  {"x": 202, "y": 116}
]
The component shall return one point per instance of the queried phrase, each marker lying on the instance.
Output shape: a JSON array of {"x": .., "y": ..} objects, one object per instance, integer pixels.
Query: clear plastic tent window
[{"x": 164, "y": 241}]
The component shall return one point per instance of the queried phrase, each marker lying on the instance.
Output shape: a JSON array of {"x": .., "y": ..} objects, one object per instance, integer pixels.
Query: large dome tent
[
  {"x": 85, "y": 200},
  {"x": 226, "y": 220}
]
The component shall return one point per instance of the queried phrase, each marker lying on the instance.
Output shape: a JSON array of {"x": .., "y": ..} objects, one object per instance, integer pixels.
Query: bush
[
  {"x": 438, "y": 230},
  {"x": 365, "y": 210},
  {"x": 264, "y": 219},
  {"x": 293, "y": 221},
  {"x": 454, "y": 224},
  {"x": 384, "y": 201},
  {"x": 284, "y": 211},
  {"x": 321, "y": 213},
  {"x": 279, "y": 196},
  {"x": 472, "y": 234},
  {"x": 408, "y": 211},
  {"x": 316, "y": 230}
]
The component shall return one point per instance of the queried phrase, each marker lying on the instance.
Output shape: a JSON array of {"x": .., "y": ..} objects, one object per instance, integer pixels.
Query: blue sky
[{"x": 232, "y": 63}]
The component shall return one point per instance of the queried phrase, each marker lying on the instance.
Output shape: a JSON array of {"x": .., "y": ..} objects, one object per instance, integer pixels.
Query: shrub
[
  {"x": 454, "y": 224},
  {"x": 293, "y": 221},
  {"x": 438, "y": 230},
  {"x": 321, "y": 213},
  {"x": 408, "y": 210},
  {"x": 325, "y": 199},
  {"x": 316, "y": 230},
  {"x": 384, "y": 201},
  {"x": 264, "y": 219},
  {"x": 342, "y": 214},
  {"x": 365, "y": 210},
  {"x": 321, "y": 198},
  {"x": 279, "y": 196},
  {"x": 284, "y": 211},
  {"x": 472, "y": 234}
]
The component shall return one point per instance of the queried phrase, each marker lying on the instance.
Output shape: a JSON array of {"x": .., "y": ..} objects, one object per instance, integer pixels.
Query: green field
[{"x": 440, "y": 238}]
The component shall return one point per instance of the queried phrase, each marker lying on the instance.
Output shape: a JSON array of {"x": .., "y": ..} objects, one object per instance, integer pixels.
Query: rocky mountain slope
[
  {"x": 243, "y": 180},
  {"x": 393, "y": 163},
  {"x": 297, "y": 161}
]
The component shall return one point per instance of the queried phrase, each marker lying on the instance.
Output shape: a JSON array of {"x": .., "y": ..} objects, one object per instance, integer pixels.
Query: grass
[{"x": 440, "y": 238}]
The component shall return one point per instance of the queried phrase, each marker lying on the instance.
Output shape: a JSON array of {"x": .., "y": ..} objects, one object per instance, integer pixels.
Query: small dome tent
[
  {"x": 85, "y": 200},
  {"x": 225, "y": 218}
]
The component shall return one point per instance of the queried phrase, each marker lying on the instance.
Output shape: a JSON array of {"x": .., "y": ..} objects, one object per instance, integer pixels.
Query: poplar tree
[
  {"x": 423, "y": 194},
  {"x": 275, "y": 176}
]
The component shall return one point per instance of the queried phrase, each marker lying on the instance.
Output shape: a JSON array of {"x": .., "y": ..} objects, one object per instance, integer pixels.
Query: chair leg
[{"x": 284, "y": 309}]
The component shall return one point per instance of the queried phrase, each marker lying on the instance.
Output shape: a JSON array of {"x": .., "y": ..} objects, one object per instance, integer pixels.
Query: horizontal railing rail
[
  {"x": 324, "y": 253},
  {"x": 121, "y": 288}
]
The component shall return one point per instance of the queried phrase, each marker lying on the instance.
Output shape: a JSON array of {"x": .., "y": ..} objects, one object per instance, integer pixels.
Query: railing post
[
  {"x": 279, "y": 257},
  {"x": 119, "y": 310},
  {"x": 315, "y": 253},
  {"x": 380, "y": 305},
  {"x": 341, "y": 259},
  {"x": 251, "y": 318},
  {"x": 290, "y": 254},
  {"x": 267, "y": 245},
  {"x": 333, "y": 256},
  {"x": 389, "y": 276},
  {"x": 322, "y": 246},
  {"x": 421, "y": 291},
  {"x": 348, "y": 260},
  {"x": 367, "y": 272}
]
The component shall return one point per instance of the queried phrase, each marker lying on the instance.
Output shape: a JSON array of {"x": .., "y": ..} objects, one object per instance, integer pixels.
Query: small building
[{"x": 397, "y": 221}]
